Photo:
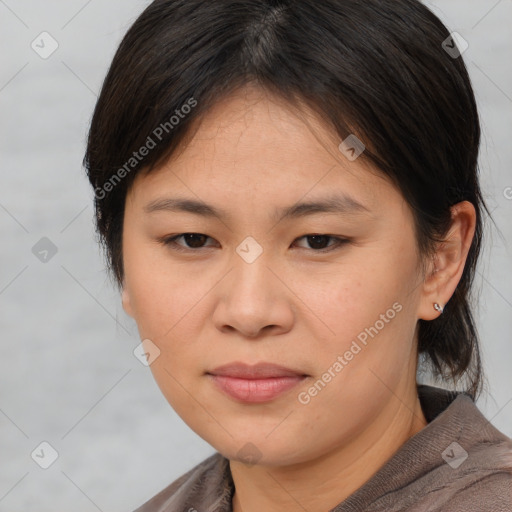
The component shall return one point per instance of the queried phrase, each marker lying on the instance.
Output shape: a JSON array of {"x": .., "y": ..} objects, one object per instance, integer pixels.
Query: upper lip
[{"x": 258, "y": 371}]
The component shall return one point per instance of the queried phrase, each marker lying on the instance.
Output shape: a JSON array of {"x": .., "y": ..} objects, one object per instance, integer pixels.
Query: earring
[{"x": 437, "y": 307}]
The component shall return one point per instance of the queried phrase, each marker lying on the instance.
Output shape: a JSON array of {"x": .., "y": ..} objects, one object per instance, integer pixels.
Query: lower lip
[{"x": 255, "y": 390}]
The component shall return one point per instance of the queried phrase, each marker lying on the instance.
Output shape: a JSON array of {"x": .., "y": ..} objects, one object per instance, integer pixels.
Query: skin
[{"x": 293, "y": 305}]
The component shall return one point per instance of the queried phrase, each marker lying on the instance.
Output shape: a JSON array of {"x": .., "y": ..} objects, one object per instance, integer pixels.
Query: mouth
[{"x": 258, "y": 383}]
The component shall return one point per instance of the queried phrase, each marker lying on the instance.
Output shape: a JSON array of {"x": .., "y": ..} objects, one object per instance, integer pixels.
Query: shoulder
[
  {"x": 492, "y": 492},
  {"x": 482, "y": 482},
  {"x": 207, "y": 486},
  {"x": 459, "y": 462}
]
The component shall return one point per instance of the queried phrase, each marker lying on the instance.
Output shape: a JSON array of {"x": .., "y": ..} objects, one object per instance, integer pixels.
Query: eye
[
  {"x": 318, "y": 242},
  {"x": 195, "y": 241}
]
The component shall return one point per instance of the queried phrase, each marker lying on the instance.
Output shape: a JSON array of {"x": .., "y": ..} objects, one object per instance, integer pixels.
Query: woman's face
[{"x": 259, "y": 287}]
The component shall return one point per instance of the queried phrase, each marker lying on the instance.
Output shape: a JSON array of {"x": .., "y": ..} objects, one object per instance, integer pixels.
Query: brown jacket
[{"x": 459, "y": 462}]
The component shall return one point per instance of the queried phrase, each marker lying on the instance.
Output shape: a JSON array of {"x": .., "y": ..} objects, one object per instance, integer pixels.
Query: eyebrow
[{"x": 338, "y": 204}]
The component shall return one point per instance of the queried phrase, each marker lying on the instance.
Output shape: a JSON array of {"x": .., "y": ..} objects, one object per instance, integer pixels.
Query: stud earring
[{"x": 437, "y": 307}]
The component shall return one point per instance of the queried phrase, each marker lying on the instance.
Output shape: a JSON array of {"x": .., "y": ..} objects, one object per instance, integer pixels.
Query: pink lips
[{"x": 255, "y": 384}]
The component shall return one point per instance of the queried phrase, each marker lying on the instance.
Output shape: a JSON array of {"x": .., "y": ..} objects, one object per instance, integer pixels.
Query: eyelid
[{"x": 170, "y": 241}]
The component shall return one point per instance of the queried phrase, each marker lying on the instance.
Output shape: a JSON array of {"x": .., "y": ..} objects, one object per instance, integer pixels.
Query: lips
[
  {"x": 257, "y": 383},
  {"x": 257, "y": 371}
]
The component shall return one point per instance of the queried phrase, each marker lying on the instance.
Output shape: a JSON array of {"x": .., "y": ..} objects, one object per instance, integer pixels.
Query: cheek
[
  {"x": 165, "y": 307},
  {"x": 366, "y": 308},
  {"x": 171, "y": 308},
  {"x": 356, "y": 294},
  {"x": 156, "y": 295}
]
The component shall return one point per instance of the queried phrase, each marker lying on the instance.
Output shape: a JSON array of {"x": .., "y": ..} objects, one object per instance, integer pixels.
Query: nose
[{"x": 253, "y": 300}]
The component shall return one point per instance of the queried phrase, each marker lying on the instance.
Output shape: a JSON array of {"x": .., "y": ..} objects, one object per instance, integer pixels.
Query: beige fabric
[{"x": 415, "y": 479}]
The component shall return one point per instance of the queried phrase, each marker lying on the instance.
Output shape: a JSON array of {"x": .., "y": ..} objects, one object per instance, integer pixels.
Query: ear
[
  {"x": 448, "y": 263},
  {"x": 125, "y": 299}
]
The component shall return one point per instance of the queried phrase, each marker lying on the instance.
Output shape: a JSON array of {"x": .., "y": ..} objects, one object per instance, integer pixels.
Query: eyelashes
[{"x": 196, "y": 239}]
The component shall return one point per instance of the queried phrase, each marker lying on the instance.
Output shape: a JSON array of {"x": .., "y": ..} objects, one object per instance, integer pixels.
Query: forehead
[
  {"x": 253, "y": 122},
  {"x": 256, "y": 147}
]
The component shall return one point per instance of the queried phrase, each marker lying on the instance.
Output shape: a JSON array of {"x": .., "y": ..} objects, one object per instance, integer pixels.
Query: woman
[{"x": 288, "y": 197}]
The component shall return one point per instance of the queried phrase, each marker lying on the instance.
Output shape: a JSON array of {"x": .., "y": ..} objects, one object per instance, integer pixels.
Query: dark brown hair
[{"x": 378, "y": 68}]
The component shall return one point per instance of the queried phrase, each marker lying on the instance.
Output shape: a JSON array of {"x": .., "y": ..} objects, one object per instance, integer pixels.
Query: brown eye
[
  {"x": 318, "y": 243},
  {"x": 192, "y": 241}
]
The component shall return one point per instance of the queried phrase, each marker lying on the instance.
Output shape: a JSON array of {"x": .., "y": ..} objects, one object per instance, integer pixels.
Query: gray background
[{"x": 67, "y": 372}]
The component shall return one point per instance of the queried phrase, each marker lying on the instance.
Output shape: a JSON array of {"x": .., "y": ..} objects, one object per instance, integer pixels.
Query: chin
[{"x": 262, "y": 451}]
